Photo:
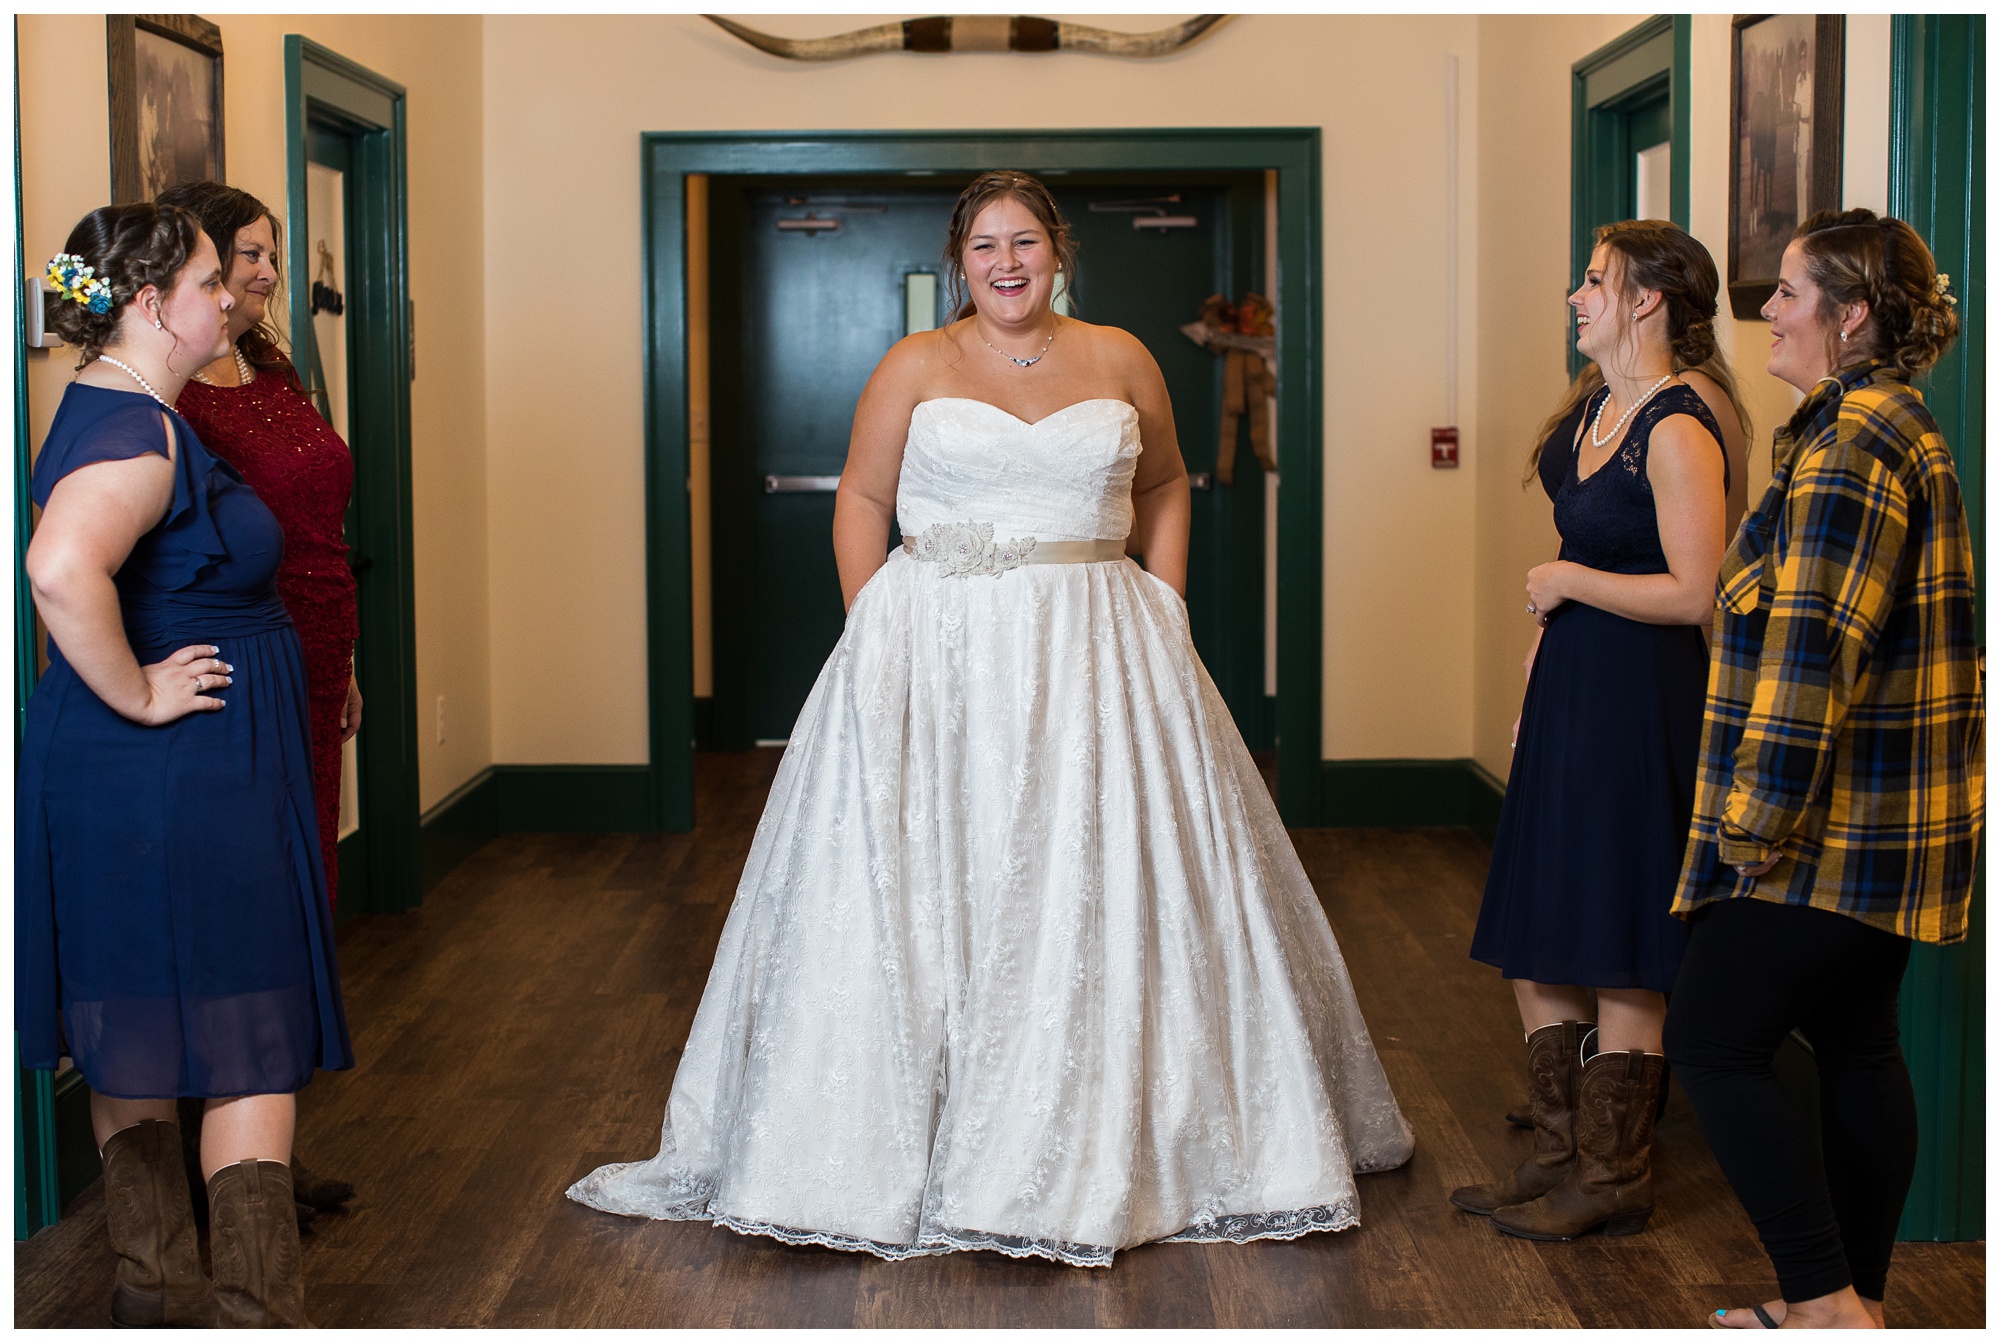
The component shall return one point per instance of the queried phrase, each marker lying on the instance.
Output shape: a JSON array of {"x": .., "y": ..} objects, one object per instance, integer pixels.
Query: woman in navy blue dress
[
  {"x": 1590, "y": 836},
  {"x": 171, "y": 933}
]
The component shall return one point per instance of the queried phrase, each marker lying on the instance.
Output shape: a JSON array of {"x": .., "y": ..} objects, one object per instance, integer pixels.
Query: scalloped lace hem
[{"x": 1234, "y": 1228}]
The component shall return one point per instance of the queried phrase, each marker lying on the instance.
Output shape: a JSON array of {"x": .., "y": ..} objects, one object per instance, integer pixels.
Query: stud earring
[{"x": 1843, "y": 338}]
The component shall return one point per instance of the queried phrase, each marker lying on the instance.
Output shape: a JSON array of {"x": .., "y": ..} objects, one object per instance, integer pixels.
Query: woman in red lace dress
[{"x": 251, "y": 410}]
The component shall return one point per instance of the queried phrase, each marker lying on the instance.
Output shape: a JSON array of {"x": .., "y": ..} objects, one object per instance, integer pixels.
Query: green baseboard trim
[
  {"x": 1485, "y": 791},
  {"x": 448, "y": 833},
  {"x": 518, "y": 799},
  {"x": 574, "y": 799},
  {"x": 1401, "y": 793}
]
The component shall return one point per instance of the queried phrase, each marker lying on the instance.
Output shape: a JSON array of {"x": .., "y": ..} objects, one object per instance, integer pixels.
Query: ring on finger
[{"x": 197, "y": 683}]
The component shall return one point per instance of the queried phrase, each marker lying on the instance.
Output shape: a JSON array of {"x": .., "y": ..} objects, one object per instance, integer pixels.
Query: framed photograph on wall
[
  {"x": 1785, "y": 76},
  {"x": 166, "y": 102}
]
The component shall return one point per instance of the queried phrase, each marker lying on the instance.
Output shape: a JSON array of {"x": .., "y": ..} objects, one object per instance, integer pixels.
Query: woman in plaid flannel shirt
[{"x": 1841, "y": 787}]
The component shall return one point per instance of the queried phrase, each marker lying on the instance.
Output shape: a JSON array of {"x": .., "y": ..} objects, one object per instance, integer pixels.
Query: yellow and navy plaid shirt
[{"x": 1845, "y": 701}]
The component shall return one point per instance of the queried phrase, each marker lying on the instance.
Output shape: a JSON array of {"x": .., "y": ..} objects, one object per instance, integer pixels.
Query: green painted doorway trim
[
  {"x": 36, "y": 1203},
  {"x": 1937, "y": 182},
  {"x": 1637, "y": 66},
  {"x": 667, "y": 158},
  {"x": 323, "y": 87}
]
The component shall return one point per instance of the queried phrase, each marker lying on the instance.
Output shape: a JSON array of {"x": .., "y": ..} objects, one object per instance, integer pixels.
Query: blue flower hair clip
[{"x": 79, "y": 283}]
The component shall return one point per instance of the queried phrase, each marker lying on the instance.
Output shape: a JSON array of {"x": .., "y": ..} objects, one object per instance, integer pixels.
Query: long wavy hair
[{"x": 224, "y": 211}]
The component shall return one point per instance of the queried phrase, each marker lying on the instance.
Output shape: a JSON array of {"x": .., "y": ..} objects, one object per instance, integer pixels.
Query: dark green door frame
[
  {"x": 37, "y": 1202},
  {"x": 324, "y": 88},
  {"x": 1937, "y": 182},
  {"x": 1637, "y": 67},
  {"x": 667, "y": 158}
]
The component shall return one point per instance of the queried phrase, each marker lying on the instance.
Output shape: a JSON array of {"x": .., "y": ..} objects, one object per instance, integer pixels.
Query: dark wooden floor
[{"x": 523, "y": 1026}]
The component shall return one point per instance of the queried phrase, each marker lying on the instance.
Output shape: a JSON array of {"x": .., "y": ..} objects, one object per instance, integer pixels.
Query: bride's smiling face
[{"x": 1010, "y": 264}]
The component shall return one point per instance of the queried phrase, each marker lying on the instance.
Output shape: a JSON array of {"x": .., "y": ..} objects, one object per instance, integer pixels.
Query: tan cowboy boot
[
  {"x": 1552, "y": 1102},
  {"x": 1611, "y": 1186},
  {"x": 159, "y": 1279},
  {"x": 253, "y": 1242}
]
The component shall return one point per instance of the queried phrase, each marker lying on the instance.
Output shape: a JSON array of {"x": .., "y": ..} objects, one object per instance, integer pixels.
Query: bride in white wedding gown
[{"x": 1022, "y": 958}]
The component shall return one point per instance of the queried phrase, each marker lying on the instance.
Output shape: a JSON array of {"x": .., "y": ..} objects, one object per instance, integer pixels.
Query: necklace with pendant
[
  {"x": 1598, "y": 419},
  {"x": 1024, "y": 363}
]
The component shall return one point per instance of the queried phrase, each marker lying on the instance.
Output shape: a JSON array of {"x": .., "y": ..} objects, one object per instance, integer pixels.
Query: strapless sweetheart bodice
[{"x": 1067, "y": 476}]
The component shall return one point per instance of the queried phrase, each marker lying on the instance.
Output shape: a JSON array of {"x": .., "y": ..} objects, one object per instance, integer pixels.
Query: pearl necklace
[
  {"x": 1024, "y": 363},
  {"x": 136, "y": 377},
  {"x": 1598, "y": 419},
  {"x": 244, "y": 373}
]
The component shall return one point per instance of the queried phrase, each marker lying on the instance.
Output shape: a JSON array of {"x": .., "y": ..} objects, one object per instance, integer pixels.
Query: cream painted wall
[
  {"x": 566, "y": 99},
  {"x": 62, "y": 110},
  {"x": 65, "y": 173},
  {"x": 1864, "y": 166}
]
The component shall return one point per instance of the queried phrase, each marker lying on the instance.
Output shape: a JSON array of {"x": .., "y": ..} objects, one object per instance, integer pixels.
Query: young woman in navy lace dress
[{"x": 1597, "y": 808}]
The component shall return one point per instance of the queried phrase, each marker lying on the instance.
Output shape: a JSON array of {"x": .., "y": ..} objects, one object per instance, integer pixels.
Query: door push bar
[
  {"x": 1197, "y": 480},
  {"x": 801, "y": 484}
]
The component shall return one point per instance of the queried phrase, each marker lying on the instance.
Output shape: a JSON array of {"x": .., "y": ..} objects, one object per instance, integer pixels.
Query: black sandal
[{"x": 1764, "y": 1320}]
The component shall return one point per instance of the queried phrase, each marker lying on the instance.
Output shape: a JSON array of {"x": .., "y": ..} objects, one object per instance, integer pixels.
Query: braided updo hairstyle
[
  {"x": 1656, "y": 254},
  {"x": 1000, "y": 185},
  {"x": 131, "y": 246},
  {"x": 1858, "y": 256}
]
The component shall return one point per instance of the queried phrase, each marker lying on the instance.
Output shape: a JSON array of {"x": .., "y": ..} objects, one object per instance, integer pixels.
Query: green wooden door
[
  {"x": 802, "y": 312},
  {"x": 328, "y": 360},
  {"x": 1151, "y": 281},
  {"x": 818, "y": 307},
  {"x": 1938, "y": 183}
]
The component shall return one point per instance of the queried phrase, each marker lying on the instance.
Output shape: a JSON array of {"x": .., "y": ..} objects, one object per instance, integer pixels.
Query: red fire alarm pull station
[{"x": 1444, "y": 449}]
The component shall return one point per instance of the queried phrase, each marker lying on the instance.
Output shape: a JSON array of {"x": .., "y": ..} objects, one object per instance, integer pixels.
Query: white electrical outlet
[{"x": 440, "y": 720}]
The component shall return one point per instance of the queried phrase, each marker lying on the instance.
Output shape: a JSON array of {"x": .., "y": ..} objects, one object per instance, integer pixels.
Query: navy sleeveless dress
[
  {"x": 170, "y": 918},
  {"x": 1588, "y": 848}
]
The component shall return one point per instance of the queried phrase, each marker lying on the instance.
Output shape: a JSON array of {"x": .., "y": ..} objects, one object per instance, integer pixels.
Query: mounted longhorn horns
[{"x": 974, "y": 32}]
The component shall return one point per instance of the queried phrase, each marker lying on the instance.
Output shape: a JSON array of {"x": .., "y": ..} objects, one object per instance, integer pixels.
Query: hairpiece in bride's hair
[
  {"x": 78, "y": 283},
  {"x": 1941, "y": 288}
]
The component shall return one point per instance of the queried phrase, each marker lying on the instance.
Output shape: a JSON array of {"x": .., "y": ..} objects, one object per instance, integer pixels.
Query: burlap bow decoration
[{"x": 1244, "y": 335}]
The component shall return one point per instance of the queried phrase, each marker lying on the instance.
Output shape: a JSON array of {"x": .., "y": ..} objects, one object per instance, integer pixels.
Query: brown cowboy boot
[
  {"x": 311, "y": 1192},
  {"x": 159, "y": 1279},
  {"x": 1552, "y": 1099},
  {"x": 253, "y": 1242},
  {"x": 1611, "y": 1185},
  {"x": 320, "y": 1192}
]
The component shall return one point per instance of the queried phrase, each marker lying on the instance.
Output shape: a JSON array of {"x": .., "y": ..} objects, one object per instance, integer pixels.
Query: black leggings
[{"x": 1755, "y": 971}]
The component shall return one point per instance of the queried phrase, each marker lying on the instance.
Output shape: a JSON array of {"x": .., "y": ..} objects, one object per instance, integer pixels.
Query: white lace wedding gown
[{"x": 1022, "y": 958}]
